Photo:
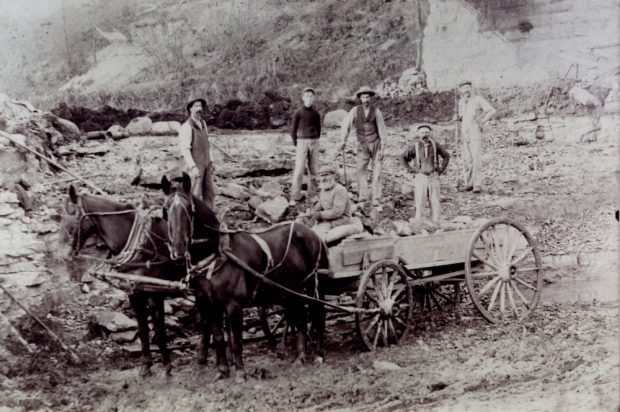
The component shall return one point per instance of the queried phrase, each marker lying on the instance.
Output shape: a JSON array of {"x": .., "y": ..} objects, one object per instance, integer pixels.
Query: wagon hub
[
  {"x": 506, "y": 272},
  {"x": 386, "y": 306}
]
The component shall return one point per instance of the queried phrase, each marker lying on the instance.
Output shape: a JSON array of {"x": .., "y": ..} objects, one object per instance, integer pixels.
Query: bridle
[
  {"x": 187, "y": 205},
  {"x": 82, "y": 214}
]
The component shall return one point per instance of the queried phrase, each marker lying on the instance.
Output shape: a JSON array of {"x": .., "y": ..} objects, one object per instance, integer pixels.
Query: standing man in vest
[
  {"x": 305, "y": 131},
  {"x": 474, "y": 112},
  {"x": 194, "y": 144},
  {"x": 425, "y": 153},
  {"x": 370, "y": 130}
]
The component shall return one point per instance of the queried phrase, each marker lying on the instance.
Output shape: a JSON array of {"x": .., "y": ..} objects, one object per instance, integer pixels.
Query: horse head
[
  {"x": 76, "y": 226},
  {"x": 189, "y": 220}
]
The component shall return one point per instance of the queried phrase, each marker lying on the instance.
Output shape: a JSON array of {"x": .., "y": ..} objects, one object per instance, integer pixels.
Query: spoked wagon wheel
[
  {"x": 503, "y": 271},
  {"x": 427, "y": 296},
  {"x": 273, "y": 322},
  {"x": 385, "y": 296}
]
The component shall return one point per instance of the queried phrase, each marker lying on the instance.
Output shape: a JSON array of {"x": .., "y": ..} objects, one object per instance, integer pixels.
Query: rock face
[
  {"x": 272, "y": 210},
  {"x": 139, "y": 126},
  {"x": 335, "y": 118}
]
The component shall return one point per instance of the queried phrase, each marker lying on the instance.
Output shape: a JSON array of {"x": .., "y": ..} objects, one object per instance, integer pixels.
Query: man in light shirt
[
  {"x": 474, "y": 112},
  {"x": 194, "y": 145},
  {"x": 370, "y": 131}
]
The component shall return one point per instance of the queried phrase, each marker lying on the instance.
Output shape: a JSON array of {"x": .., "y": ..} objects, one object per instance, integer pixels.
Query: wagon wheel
[
  {"x": 273, "y": 322},
  {"x": 507, "y": 281},
  {"x": 442, "y": 295},
  {"x": 385, "y": 297}
]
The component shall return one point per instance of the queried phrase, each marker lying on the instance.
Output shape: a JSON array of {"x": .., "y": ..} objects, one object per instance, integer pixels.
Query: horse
[
  {"x": 289, "y": 255},
  {"x": 86, "y": 215}
]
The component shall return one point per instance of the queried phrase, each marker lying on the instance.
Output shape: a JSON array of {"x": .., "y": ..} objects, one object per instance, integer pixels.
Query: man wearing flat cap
[
  {"x": 371, "y": 134},
  {"x": 425, "y": 153},
  {"x": 194, "y": 145},
  {"x": 305, "y": 131},
  {"x": 474, "y": 112},
  {"x": 331, "y": 217}
]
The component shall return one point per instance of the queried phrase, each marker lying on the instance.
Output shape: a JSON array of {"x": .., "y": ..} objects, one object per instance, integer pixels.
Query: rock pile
[{"x": 389, "y": 227}]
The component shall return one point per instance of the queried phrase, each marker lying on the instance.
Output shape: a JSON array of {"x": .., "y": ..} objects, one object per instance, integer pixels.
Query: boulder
[
  {"x": 584, "y": 97},
  {"x": 385, "y": 366},
  {"x": 68, "y": 129},
  {"x": 234, "y": 190},
  {"x": 272, "y": 210},
  {"x": 270, "y": 189},
  {"x": 462, "y": 220},
  {"x": 335, "y": 118},
  {"x": 117, "y": 132},
  {"x": 115, "y": 321},
  {"x": 165, "y": 128},
  {"x": 139, "y": 126}
]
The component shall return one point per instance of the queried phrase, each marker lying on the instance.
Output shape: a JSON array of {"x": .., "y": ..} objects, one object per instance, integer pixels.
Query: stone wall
[{"x": 509, "y": 42}]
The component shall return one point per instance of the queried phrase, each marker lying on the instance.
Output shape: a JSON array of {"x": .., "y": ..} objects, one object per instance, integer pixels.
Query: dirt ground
[{"x": 563, "y": 358}]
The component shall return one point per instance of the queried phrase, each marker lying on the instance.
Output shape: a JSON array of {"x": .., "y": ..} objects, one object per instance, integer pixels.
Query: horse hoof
[
  {"x": 240, "y": 377},
  {"x": 168, "y": 371},
  {"x": 318, "y": 360},
  {"x": 220, "y": 375},
  {"x": 145, "y": 372},
  {"x": 300, "y": 361}
]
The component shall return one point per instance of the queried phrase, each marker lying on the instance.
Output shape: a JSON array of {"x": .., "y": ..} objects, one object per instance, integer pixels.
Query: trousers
[
  {"x": 472, "y": 157},
  {"x": 369, "y": 153},
  {"x": 307, "y": 151},
  {"x": 426, "y": 189},
  {"x": 202, "y": 185}
]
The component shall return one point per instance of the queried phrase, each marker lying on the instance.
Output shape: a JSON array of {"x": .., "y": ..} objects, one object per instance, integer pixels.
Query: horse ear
[
  {"x": 73, "y": 196},
  {"x": 165, "y": 184},
  {"x": 187, "y": 183}
]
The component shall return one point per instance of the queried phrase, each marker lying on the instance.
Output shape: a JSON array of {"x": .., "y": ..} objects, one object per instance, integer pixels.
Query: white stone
[
  {"x": 385, "y": 366},
  {"x": 115, "y": 321},
  {"x": 272, "y": 210},
  {"x": 166, "y": 128},
  {"x": 117, "y": 132},
  {"x": 139, "y": 126},
  {"x": 334, "y": 118}
]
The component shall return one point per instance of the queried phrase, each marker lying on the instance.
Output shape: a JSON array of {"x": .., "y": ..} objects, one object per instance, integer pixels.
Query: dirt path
[{"x": 565, "y": 357}]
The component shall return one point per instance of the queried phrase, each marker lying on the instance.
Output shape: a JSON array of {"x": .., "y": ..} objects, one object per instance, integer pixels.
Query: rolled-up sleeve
[{"x": 185, "y": 145}]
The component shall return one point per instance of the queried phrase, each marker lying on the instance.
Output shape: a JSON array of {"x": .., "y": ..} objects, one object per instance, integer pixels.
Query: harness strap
[{"x": 265, "y": 247}]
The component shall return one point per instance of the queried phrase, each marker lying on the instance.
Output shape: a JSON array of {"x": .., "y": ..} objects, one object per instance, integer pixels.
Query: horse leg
[
  {"x": 317, "y": 316},
  {"x": 160, "y": 338},
  {"x": 235, "y": 322},
  {"x": 217, "y": 328},
  {"x": 139, "y": 303},
  {"x": 297, "y": 316},
  {"x": 205, "y": 326}
]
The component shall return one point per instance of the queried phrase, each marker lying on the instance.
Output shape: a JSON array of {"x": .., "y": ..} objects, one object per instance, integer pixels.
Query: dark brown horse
[
  {"x": 87, "y": 215},
  {"x": 289, "y": 254}
]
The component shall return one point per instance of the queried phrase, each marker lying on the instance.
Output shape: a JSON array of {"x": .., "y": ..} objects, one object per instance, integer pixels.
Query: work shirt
[
  {"x": 334, "y": 204},
  {"x": 195, "y": 153},
  {"x": 351, "y": 121},
  {"x": 472, "y": 111},
  {"x": 306, "y": 124},
  {"x": 426, "y": 154}
]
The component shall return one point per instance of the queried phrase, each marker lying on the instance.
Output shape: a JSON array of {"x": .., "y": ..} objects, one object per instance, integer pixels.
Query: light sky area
[{"x": 26, "y": 9}]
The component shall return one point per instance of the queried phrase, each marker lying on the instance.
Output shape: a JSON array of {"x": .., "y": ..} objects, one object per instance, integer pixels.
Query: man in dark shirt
[
  {"x": 305, "y": 131},
  {"x": 426, "y": 169}
]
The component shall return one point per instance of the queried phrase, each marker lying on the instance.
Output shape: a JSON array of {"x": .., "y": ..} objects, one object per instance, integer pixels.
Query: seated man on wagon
[{"x": 331, "y": 217}]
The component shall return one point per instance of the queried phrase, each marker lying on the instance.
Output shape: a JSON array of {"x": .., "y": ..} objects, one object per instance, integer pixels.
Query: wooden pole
[
  {"x": 63, "y": 345},
  {"x": 139, "y": 278},
  {"x": 51, "y": 161}
]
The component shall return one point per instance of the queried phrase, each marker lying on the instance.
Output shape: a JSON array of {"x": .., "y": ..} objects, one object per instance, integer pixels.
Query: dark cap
[
  {"x": 464, "y": 83},
  {"x": 424, "y": 125},
  {"x": 308, "y": 89}
]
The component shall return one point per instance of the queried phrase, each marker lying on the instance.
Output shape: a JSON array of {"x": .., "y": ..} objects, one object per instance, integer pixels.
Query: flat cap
[
  {"x": 464, "y": 82},
  {"x": 327, "y": 169},
  {"x": 308, "y": 89},
  {"x": 424, "y": 125}
]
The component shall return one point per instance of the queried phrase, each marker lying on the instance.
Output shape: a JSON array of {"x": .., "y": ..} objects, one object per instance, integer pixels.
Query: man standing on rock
[
  {"x": 194, "y": 144},
  {"x": 473, "y": 111},
  {"x": 370, "y": 130},
  {"x": 425, "y": 151},
  {"x": 305, "y": 131}
]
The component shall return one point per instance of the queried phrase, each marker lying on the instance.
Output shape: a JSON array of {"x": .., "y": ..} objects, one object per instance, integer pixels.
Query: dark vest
[
  {"x": 200, "y": 144},
  {"x": 366, "y": 127}
]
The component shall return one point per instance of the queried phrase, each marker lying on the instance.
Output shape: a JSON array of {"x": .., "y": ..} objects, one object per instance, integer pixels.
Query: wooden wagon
[{"x": 499, "y": 263}]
